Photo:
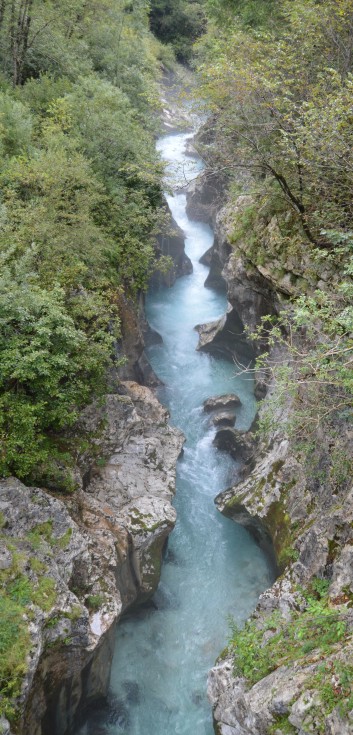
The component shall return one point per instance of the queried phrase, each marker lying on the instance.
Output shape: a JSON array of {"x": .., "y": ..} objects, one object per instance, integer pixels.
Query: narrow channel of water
[{"x": 212, "y": 569}]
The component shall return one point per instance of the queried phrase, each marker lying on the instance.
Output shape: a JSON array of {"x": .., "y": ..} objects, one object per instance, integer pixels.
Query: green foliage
[
  {"x": 314, "y": 376},
  {"x": 319, "y": 628},
  {"x": 22, "y": 585},
  {"x": 44, "y": 532},
  {"x": 333, "y": 681},
  {"x": 14, "y": 647},
  {"x": 253, "y": 13},
  {"x": 49, "y": 370},
  {"x": 283, "y": 726},
  {"x": 94, "y": 602},
  {"x": 44, "y": 595},
  {"x": 15, "y": 126},
  {"x": 80, "y": 196},
  {"x": 283, "y": 95}
]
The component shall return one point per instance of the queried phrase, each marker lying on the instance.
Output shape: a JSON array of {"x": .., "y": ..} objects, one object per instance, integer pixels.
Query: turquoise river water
[{"x": 212, "y": 568}]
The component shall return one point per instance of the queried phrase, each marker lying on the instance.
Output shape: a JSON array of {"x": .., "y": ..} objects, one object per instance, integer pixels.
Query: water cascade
[{"x": 212, "y": 568}]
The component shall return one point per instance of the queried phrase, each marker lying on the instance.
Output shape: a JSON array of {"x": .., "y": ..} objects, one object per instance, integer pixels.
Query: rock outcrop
[
  {"x": 312, "y": 530},
  {"x": 226, "y": 336},
  {"x": 226, "y": 402},
  {"x": 294, "y": 500},
  {"x": 100, "y": 549},
  {"x": 252, "y": 294},
  {"x": 130, "y": 349},
  {"x": 286, "y": 701},
  {"x": 236, "y": 443},
  {"x": 171, "y": 243}
]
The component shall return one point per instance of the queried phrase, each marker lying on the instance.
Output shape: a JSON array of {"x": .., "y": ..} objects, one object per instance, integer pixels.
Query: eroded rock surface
[
  {"x": 226, "y": 336},
  {"x": 223, "y": 418},
  {"x": 101, "y": 547},
  {"x": 305, "y": 515},
  {"x": 312, "y": 530},
  {"x": 236, "y": 443},
  {"x": 287, "y": 695},
  {"x": 136, "y": 484}
]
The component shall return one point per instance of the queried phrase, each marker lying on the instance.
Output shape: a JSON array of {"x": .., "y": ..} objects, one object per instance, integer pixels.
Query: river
[{"x": 212, "y": 568}]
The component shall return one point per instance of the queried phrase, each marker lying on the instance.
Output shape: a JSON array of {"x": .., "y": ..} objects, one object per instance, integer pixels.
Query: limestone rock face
[
  {"x": 286, "y": 694},
  {"x": 136, "y": 484},
  {"x": 135, "y": 335},
  {"x": 4, "y": 727},
  {"x": 203, "y": 198},
  {"x": 235, "y": 442},
  {"x": 304, "y": 515},
  {"x": 312, "y": 531},
  {"x": 102, "y": 548},
  {"x": 64, "y": 633},
  {"x": 223, "y": 418},
  {"x": 250, "y": 292}
]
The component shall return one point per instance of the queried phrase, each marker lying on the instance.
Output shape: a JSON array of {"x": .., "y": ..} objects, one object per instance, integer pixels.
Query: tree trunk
[
  {"x": 20, "y": 24},
  {"x": 2, "y": 11}
]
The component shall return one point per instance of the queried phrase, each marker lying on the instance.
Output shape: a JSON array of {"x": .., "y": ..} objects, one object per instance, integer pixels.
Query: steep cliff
[
  {"x": 290, "y": 670},
  {"x": 72, "y": 564}
]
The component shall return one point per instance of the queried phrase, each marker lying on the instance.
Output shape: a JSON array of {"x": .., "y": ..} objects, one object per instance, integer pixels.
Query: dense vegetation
[
  {"x": 80, "y": 207},
  {"x": 80, "y": 204},
  {"x": 279, "y": 79}
]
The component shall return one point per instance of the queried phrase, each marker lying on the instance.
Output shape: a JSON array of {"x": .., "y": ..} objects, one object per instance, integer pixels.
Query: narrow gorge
[
  {"x": 212, "y": 568},
  {"x": 176, "y": 324}
]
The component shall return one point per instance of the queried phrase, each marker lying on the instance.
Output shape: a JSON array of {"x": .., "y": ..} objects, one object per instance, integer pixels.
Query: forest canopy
[
  {"x": 278, "y": 79},
  {"x": 79, "y": 209}
]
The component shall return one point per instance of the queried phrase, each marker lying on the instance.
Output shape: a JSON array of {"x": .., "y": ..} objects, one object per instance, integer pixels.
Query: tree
[
  {"x": 80, "y": 191},
  {"x": 50, "y": 369},
  {"x": 283, "y": 113}
]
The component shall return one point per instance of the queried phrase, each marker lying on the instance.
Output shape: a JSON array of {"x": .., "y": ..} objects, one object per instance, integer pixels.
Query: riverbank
[
  {"x": 78, "y": 562},
  {"x": 299, "y": 489}
]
